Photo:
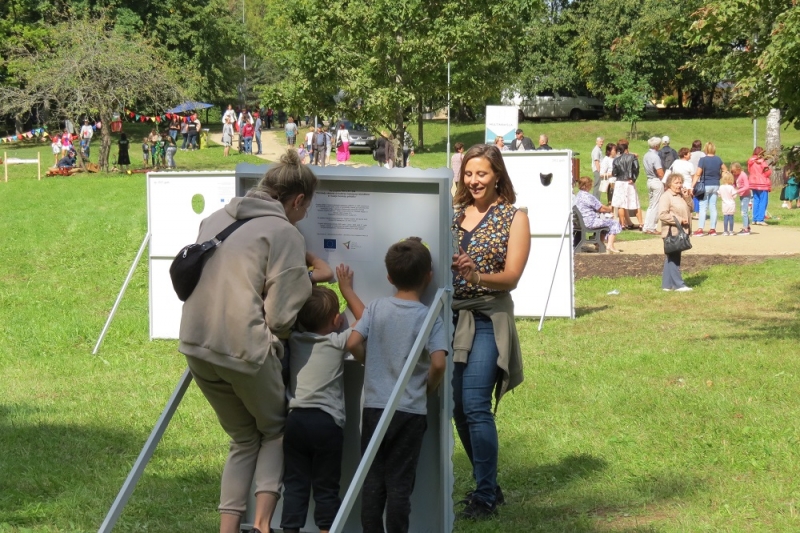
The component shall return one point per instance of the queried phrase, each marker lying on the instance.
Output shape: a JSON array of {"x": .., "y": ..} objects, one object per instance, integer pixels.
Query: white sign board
[
  {"x": 550, "y": 212},
  {"x": 501, "y": 121},
  {"x": 173, "y": 223}
]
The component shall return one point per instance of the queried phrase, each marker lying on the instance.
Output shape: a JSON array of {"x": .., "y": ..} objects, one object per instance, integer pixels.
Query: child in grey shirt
[{"x": 390, "y": 326}]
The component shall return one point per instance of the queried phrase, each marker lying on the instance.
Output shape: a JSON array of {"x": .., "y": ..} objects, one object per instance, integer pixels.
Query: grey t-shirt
[
  {"x": 316, "y": 365},
  {"x": 651, "y": 164},
  {"x": 390, "y": 326},
  {"x": 597, "y": 155}
]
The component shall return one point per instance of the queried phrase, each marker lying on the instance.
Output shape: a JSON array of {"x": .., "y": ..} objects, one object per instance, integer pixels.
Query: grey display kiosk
[{"x": 357, "y": 214}]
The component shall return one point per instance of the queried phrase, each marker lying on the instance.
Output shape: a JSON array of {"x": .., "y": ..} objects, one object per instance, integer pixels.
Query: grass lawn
[{"x": 648, "y": 413}]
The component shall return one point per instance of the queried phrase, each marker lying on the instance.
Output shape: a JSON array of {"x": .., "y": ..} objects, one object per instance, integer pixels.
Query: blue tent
[{"x": 189, "y": 106}]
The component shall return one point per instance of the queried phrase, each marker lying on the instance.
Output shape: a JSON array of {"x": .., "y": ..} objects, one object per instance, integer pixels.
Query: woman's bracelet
[{"x": 477, "y": 283}]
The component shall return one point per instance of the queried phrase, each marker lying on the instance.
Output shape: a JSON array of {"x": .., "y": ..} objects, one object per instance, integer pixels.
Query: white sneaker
[
  {"x": 684, "y": 289},
  {"x": 667, "y": 290}
]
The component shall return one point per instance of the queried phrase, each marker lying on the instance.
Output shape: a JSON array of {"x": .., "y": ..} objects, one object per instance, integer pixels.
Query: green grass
[{"x": 650, "y": 412}]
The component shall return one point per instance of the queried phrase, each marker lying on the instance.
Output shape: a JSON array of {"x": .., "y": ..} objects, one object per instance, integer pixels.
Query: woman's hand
[{"x": 463, "y": 264}]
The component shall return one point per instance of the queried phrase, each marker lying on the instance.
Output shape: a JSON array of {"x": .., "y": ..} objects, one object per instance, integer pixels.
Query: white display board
[
  {"x": 172, "y": 224},
  {"x": 550, "y": 210},
  {"x": 502, "y": 121}
]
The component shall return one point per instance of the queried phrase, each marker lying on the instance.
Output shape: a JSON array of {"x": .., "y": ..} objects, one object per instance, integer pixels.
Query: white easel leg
[
  {"x": 555, "y": 270},
  {"x": 121, "y": 293}
]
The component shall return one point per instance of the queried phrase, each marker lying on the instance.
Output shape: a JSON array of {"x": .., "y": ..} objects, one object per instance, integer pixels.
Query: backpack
[{"x": 668, "y": 156}]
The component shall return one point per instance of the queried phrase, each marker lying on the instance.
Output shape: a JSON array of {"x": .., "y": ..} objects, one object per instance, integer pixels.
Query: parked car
[
  {"x": 555, "y": 104},
  {"x": 360, "y": 137}
]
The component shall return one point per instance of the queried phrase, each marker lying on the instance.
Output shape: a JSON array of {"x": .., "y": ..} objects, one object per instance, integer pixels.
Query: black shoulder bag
[
  {"x": 699, "y": 190},
  {"x": 188, "y": 265},
  {"x": 679, "y": 242}
]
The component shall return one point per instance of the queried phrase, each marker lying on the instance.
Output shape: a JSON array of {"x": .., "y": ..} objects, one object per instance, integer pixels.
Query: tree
[
  {"x": 97, "y": 71},
  {"x": 381, "y": 58}
]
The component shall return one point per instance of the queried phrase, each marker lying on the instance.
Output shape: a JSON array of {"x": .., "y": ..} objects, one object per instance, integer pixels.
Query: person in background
[
  {"x": 696, "y": 155},
  {"x": 667, "y": 154},
  {"x": 291, "y": 132},
  {"x": 606, "y": 167},
  {"x": 229, "y": 114},
  {"x": 281, "y": 118},
  {"x": 681, "y": 166},
  {"x": 185, "y": 133},
  {"x": 257, "y": 131},
  {"x": 227, "y": 137},
  {"x": 381, "y": 144},
  {"x": 501, "y": 144},
  {"x": 309, "y": 142},
  {"x": 86, "y": 138},
  {"x": 328, "y": 145},
  {"x": 319, "y": 146},
  {"x": 759, "y": 174},
  {"x": 597, "y": 157},
  {"x": 69, "y": 160},
  {"x": 146, "y": 151},
  {"x": 743, "y": 190},
  {"x": 174, "y": 127},
  {"x": 674, "y": 203},
  {"x": 626, "y": 172},
  {"x": 727, "y": 192},
  {"x": 455, "y": 161},
  {"x": 56, "y": 147},
  {"x": 123, "y": 156},
  {"x": 790, "y": 190},
  {"x": 494, "y": 246},
  {"x": 520, "y": 142},
  {"x": 408, "y": 146},
  {"x": 246, "y": 300},
  {"x": 171, "y": 148},
  {"x": 247, "y": 135},
  {"x": 709, "y": 169},
  {"x": 654, "y": 173},
  {"x": 342, "y": 145},
  {"x": 270, "y": 115},
  {"x": 302, "y": 154},
  {"x": 590, "y": 209},
  {"x": 543, "y": 140},
  {"x": 66, "y": 143}
]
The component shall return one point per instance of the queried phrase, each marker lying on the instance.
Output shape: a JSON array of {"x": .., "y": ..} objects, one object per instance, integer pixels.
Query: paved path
[
  {"x": 273, "y": 145},
  {"x": 764, "y": 240}
]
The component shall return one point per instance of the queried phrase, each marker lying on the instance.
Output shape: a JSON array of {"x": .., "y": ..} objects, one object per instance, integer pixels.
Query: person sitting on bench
[
  {"x": 590, "y": 208},
  {"x": 68, "y": 161}
]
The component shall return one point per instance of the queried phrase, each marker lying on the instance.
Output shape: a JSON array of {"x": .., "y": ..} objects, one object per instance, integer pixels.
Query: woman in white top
[
  {"x": 682, "y": 166},
  {"x": 342, "y": 144},
  {"x": 229, "y": 114},
  {"x": 606, "y": 167}
]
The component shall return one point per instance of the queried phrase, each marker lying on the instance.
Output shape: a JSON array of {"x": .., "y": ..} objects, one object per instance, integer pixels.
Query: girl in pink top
[
  {"x": 728, "y": 194},
  {"x": 759, "y": 173},
  {"x": 743, "y": 190},
  {"x": 66, "y": 143}
]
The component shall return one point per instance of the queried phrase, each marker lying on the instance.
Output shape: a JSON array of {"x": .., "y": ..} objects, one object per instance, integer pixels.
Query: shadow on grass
[
  {"x": 53, "y": 472},
  {"x": 695, "y": 280},
  {"x": 586, "y": 311},
  {"x": 565, "y": 497}
]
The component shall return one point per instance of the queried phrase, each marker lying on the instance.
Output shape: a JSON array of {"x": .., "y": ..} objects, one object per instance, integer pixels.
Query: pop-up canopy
[{"x": 189, "y": 106}]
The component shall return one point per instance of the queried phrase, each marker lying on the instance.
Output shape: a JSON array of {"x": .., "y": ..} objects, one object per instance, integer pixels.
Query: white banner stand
[{"x": 501, "y": 121}]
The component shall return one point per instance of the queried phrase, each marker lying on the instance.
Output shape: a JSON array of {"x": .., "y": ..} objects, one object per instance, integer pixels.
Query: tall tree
[{"x": 96, "y": 71}]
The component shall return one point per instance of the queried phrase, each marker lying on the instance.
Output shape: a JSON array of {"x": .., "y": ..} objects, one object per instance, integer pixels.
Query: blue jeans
[
  {"x": 248, "y": 145},
  {"x": 745, "y": 212},
  {"x": 258, "y": 141},
  {"x": 708, "y": 203},
  {"x": 727, "y": 223},
  {"x": 173, "y": 134},
  {"x": 760, "y": 200},
  {"x": 473, "y": 385}
]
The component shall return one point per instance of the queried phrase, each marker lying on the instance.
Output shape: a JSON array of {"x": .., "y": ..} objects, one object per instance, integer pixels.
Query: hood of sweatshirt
[{"x": 240, "y": 208}]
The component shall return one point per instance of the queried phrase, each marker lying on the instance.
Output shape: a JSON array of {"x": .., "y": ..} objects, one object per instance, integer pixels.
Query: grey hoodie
[{"x": 251, "y": 288}]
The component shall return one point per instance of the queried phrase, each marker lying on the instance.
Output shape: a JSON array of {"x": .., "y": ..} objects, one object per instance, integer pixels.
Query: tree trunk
[
  {"x": 680, "y": 97},
  {"x": 420, "y": 139},
  {"x": 773, "y": 143},
  {"x": 105, "y": 145}
]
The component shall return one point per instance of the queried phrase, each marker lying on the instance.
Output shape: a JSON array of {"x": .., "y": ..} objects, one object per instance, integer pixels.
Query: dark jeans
[
  {"x": 185, "y": 141},
  {"x": 671, "y": 277},
  {"x": 319, "y": 155},
  {"x": 258, "y": 141},
  {"x": 193, "y": 140},
  {"x": 406, "y": 153},
  {"x": 312, "y": 450},
  {"x": 473, "y": 385},
  {"x": 390, "y": 480}
]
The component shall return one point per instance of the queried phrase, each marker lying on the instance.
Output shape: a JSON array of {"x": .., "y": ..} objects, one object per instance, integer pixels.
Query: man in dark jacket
[
  {"x": 667, "y": 154},
  {"x": 521, "y": 142},
  {"x": 320, "y": 150},
  {"x": 626, "y": 170}
]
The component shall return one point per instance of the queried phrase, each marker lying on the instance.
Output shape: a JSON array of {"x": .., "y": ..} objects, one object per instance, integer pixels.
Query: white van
[{"x": 552, "y": 104}]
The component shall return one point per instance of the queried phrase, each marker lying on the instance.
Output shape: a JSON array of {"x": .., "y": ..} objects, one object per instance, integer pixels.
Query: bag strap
[
  {"x": 224, "y": 234},
  {"x": 678, "y": 224}
]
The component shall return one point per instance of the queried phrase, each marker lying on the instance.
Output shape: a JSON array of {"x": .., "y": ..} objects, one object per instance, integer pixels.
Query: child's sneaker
[{"x": 725, "y": 234}]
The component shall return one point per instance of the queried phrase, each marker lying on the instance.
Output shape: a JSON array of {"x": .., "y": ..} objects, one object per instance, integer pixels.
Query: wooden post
[{"x": 39, "y": 164}]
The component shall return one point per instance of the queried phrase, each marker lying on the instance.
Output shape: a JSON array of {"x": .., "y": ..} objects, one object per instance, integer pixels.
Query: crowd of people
[{"x": 232, "y": 329}]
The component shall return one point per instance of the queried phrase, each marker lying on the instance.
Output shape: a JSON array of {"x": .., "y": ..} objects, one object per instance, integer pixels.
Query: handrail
[{"x": 388, "y": 412}]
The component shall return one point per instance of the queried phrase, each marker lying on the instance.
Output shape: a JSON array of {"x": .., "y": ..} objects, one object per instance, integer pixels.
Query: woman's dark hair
[
  {"x": 682, "y": 152},
  {"x": 609, "y": 147},
  {"x": 285, "y": 180},
  {"x": 585, "y": 183},
  {"x": 493, "y": 155},
  {"x": 622, "y": 146},
  {"x": 697, "y": 145},
  {"x": 458, "y": 146},
  {"x": 123, "y": 137}
]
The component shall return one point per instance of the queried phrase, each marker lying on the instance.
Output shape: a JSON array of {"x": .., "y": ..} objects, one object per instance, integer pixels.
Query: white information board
[
  {"x": 501, "y": 121},
  {"x": 550, "y": 211},
  {"x": 173, "y": 223}
]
